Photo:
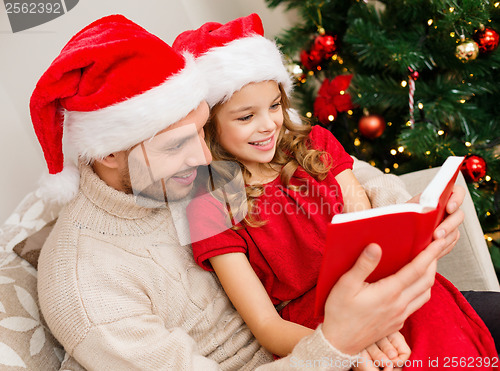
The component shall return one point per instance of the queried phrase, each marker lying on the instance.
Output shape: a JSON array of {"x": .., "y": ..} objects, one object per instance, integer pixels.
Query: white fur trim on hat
[
  {"x": 249, "y": 59},
  {"x": 96, "y": 134},
  {"x": 61, "y": 187}
]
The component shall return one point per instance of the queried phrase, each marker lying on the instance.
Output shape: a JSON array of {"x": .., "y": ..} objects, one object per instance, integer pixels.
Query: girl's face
[{"x": 248, "y": 124}]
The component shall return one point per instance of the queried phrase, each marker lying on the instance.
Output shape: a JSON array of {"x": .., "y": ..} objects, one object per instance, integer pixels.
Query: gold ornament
[{"x": 467, "y": 50}]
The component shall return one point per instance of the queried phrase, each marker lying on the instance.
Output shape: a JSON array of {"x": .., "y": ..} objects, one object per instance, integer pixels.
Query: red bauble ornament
[
  {"x": 487, "y": 40},
  {"x": 325, "y": 45},
  {"x": 371, "y": 126},
  {"x": 473, "y": 168}
]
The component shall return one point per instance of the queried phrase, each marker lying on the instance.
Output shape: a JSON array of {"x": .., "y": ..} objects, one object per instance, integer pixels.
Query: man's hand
[
  {"x": 357, "y": 314},
  {"x": 448, "y": 229}
]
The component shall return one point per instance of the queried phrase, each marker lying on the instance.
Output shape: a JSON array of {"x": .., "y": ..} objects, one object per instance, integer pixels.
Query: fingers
[
  {"x": 451, "y": 240},
  {"x": 354, "y": 279},
  {"x": 417, "y": 268},
  {"x": 456, "y": 199},
  {"x": 366, "y": 363},
  {"x": 449, "y": 224},
  {"x": 386, "y": 347},
  {"x": 398, "y": 341},
  {"x": 379, "y": 356}
]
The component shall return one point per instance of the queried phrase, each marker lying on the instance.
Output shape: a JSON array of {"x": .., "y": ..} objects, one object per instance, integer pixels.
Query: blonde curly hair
[{"x": 293, "y": 149}]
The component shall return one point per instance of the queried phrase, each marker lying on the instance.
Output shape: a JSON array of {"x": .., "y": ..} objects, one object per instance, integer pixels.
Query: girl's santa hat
[
  {"x": 112, "y": 86},
  {"x": 233, "y": 55}
]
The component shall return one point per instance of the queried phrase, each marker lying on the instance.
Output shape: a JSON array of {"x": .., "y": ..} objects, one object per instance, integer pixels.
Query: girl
[{"x": 297, "y": 178}]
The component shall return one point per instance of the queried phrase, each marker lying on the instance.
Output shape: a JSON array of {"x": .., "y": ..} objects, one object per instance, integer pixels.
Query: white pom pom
[
  {"x": 294, "y": 116},
  {"x": 61, "y": 187}
]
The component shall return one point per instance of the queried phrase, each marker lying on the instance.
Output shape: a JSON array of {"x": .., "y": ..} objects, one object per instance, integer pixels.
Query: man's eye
[{"x": 173, "y": 148}]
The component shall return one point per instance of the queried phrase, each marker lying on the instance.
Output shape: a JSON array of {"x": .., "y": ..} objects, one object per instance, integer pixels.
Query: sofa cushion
[
  {"x": 25, "y": 341},
  {"x": 29, "y": 248}
]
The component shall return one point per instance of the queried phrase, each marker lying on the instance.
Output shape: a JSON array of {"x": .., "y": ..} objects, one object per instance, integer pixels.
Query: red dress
[
  {"x": 286, "y": 256},
  {"x": 286, "y": 252}
]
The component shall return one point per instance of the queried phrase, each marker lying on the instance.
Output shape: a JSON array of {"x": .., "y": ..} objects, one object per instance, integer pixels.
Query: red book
[{"x": 402, "y": 231}]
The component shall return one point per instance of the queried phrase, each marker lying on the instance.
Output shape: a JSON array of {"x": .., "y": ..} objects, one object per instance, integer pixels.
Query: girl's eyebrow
[{"x": 240, "y": 109}]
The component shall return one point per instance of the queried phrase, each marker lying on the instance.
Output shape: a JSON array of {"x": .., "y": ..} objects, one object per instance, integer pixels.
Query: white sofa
[{"x": 26, "y": 342}]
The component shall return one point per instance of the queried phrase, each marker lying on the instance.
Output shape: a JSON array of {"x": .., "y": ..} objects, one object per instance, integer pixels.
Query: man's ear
[{"x": 111, "y": 161}]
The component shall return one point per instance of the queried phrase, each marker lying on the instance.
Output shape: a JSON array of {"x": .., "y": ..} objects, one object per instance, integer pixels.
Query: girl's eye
[
  {"x": 276, "y": 105},
  {"x": 245, "y": 118}
]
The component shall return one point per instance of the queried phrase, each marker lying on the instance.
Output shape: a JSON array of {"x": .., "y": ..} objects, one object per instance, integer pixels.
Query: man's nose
[{"x": 199, "y": 154}]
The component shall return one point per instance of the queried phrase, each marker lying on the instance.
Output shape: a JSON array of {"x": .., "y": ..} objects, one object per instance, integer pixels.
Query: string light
[
  {"x": 372, "y": 163},
  {"x": 420, "y": 106},
  {"x": 408, "y": 123},
  {"x": 334, "y": 57},
  {"x": 403, "y": 83},
  {"x": 468, "y": 144},
  {"x": 440, "y": 132},
  {"x": 393, "y": 152},
  {"x": 487, "y": 178},
  {"x": 401, "y": 149},
  {"x": 342, "y": 92},
  {"x": 430, "y": 22},
  {"x": 497, "y": 4},
  {"x": 488, "y": 238},
  {"x": 349, "y": 112},
  {"x": 395, "y": 165},
  {"x": 308, "y": 114},
  {"x": 452, "y": 9},
  {"x": 389, "y": 123},
  {"x": 387, "y": 170},
  {"x": 297, "y": 70},
  {"x": 462, "y": 101},
  {"x": 318, "y": 68},
  {"x": 331, "y": 117},
  {"x": 310, "y": 73},
  {"x": 452, "y": 34},
  {"x": 427, "y": 153},
  {"x": 357, "y": 142}
]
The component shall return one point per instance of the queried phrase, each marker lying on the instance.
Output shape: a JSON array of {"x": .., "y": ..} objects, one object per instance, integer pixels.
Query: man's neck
[{"x": 109, "y": 176}]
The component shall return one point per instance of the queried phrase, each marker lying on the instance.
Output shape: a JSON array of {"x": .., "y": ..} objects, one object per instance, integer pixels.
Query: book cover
[{"x": 402, "y": 231}]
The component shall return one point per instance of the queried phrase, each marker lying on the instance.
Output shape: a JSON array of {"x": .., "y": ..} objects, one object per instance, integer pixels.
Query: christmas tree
[{"x": 403, "y": 84}]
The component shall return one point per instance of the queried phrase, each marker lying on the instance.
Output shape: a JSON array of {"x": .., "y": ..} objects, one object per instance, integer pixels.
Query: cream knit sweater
[{"x": 120, "y": 293}]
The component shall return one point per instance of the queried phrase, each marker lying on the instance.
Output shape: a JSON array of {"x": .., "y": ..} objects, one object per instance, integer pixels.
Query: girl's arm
[
  {"x": 252, "y": 302},
  {"x": 355, "y": 198}
]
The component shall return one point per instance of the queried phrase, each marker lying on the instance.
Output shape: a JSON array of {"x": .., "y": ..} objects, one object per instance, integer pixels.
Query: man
[{"x": 116, "y": 287}]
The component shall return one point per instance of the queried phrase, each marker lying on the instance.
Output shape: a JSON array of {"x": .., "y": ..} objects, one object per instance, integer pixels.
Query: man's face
[{"x": 164, "y": 168}]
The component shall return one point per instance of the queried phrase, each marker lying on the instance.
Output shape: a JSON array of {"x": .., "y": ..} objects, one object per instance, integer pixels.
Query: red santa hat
[
  {"x": 233, "y": 55},
  {"x": 112, "y": 86}
]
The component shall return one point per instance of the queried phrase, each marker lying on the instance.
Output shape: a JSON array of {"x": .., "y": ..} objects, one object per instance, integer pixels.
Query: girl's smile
[{"x": 249, "y": 124}]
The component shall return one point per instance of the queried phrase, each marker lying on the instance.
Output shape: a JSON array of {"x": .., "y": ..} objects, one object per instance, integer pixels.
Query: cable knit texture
[{"x": 120, "y": 293}]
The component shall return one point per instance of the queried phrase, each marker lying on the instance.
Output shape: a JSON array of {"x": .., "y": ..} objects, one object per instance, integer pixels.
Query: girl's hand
[{"x": 390, "y": 353}]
